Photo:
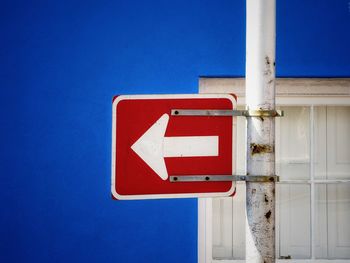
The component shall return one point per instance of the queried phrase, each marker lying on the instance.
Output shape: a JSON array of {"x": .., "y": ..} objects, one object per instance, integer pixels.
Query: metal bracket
[
  {"x": 244, "y": 113},
  {"x": 224, "y": 178}
]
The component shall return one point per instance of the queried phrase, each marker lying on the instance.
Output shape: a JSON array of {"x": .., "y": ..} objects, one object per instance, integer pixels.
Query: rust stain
[
  {"x": 253, "y": 191},
  {"x": 267, "y": 70},
  {"x": 268, "y": 215},
  {"x": 257, "y": 148}
]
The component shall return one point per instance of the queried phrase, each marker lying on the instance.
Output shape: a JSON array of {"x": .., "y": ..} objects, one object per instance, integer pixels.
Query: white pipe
[{"x": 260, "y": 94}]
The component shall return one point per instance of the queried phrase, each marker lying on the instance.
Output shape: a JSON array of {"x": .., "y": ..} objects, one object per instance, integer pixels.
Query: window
[{"x": 313, "y": 162}]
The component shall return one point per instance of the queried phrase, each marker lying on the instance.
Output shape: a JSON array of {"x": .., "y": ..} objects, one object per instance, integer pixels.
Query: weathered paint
[
  {"x": 256, "y": 148},
  {"x": 260, "y": 92}
]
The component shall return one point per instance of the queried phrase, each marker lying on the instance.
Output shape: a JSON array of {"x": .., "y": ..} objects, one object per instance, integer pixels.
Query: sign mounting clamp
[{"x": 242, "y": 113}]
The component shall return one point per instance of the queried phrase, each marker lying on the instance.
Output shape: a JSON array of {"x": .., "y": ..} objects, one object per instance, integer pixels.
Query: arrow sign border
[{"x": 162, "y": 97}]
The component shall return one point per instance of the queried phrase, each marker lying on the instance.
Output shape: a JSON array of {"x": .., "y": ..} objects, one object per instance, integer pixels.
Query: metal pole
[{"x": 260, "y": 95}]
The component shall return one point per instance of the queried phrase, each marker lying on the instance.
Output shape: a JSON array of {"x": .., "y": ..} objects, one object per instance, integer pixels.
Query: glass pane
[
  {"x": 321, "y": 221},
  {"x": 320, "y": 142},
  {"x": 332, "y": 144},
  {"x": 332, "y": 221},
  {"x": 229, "y": 241},
  {"x": 294, "y": 221},
  {"x": 239, "y": 216},
  {"x": 222, "y": 228},
  {"x": 338, "y": 142},
  {"x": 293, "y": 143}
]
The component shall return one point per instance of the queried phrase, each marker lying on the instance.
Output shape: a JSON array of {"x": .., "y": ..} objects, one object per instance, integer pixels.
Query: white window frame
[{"x": 310, "y": 92}]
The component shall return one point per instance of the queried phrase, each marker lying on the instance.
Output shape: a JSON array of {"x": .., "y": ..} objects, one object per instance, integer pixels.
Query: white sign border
[{"x": 167, "y": 96}]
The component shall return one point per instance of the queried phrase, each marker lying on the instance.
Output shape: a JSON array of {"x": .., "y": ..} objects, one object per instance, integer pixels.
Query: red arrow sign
[{"x": 148, "y": 145}]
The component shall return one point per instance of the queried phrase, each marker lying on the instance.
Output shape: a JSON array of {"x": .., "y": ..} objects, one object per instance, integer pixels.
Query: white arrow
[{"x": 152, "y": 146}]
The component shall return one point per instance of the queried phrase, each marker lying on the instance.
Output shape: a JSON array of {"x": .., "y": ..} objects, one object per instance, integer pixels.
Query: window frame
[{"x": 310, "y": 92}]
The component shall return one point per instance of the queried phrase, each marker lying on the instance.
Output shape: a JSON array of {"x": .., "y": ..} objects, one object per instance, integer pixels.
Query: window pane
[
  {"x": 332, "y": 221},
  {"x": 338, "y": 142},
  {"x": 229, "y": 241},
  {"x": 321, "y": 221},
  {"x": 320, "y": 142},
  {"x": 222, "y": 228},
  {"x": 332, "y": 144},
  {"x": 293, "y": 143},
  {"x": 294, "y": 221}
]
